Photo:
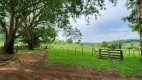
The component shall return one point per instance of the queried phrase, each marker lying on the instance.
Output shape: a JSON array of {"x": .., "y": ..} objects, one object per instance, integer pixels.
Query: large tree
[
  {"x": 16, "y": 13},
  {"x": 136, "y": 18},
  {"x": 40, "y": 35},
  {"x": 12, "y": 14}
]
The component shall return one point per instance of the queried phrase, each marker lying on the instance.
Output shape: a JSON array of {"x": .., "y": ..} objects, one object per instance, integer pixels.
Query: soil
[{"x": 30, "y": 67}]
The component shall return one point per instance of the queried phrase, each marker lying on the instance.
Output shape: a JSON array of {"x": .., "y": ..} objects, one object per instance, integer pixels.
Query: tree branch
[{"x": 3, "y": 25}]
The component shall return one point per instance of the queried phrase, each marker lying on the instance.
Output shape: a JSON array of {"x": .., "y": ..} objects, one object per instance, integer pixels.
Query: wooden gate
[
  {"x": 112, "y": 54},
  {"x": 103, "y": 53},
  {"x": 116, "y": 54}
]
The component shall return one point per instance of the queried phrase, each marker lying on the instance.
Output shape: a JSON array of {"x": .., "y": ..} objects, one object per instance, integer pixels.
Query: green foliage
[
  {"x": 104, "y": 44},
  {"x": 1, "y": 31},
  {"x": 46, "y": 34},
  {"x": 124, "y": 44},
  {"x": 129, "y": 40},
  {"x": 113, "y": 45},
  {"x": 78, "y": 42},
  {"x": 133, "y": 17},
  {"x": 1, "y": 38},
  {"x": 120, "y": 45},
  {"x": 73, "y": 33},
  {"x": 41, "y": 35},
  {"x": 131, "y": 45},
  {"x": 59, "y": 42},
  {"x": 69, "y": 40},
  {"x": 18, "y": 17}
]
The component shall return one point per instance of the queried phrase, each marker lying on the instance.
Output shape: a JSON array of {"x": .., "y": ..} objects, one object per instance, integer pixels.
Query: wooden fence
[
  {"x": 112, "y": 54},
  {"x": 116, "y": 54},
  {"x": 103, "y": 53}
]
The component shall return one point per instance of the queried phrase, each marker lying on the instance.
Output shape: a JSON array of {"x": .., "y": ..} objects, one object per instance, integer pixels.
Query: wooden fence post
[
  {"x": 121, "y": 55},
  {"x": 100, "y": 53},
  {"x": 108, "y": 53}
]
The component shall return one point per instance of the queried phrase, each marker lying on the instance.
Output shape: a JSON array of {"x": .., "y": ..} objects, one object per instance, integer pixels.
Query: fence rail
[
  {"x": 93, "y": 51},
  {"x": 112, "y": 54}
]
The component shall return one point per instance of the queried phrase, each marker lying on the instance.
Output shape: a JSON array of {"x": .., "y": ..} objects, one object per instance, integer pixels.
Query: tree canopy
[
  {"x": 23, "y": 16},
  {"x": 18, "y": 16},
  {"x": 133, "y": 17},
  {"x": 104, "y": 44}
]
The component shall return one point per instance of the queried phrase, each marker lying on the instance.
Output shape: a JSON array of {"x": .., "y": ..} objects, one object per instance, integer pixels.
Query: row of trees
[
  {"x": 112, "y": 45},
  {"x": 23, "y": 18}
]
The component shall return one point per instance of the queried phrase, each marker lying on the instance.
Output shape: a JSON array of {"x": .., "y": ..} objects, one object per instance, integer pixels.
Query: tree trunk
[
  {"x": 30, "y": 44},
  {"x": 30, "y": 38},
  {"x": 9, "y": 46},
  {"x": 9, "y": 36},
  {"x": 9, "y": 32}
]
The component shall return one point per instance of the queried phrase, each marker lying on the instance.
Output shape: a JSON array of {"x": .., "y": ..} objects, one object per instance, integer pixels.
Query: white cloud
[
  {"x": 110, "y": 37},
  {"x": 108, "y": 26}
]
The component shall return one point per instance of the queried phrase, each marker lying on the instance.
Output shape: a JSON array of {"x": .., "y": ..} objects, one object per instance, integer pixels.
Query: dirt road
[{"x": 30, "y": 67}]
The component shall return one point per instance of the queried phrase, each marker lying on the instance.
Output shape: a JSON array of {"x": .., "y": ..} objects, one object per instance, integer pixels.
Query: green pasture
[{"x": 66, "y": 54}]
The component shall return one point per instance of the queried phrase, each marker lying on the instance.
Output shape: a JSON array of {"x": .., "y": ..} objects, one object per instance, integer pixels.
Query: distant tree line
[{"x": 131, "y": 44}]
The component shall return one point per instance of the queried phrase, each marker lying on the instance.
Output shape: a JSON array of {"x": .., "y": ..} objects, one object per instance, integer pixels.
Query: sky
[{"x": 108, "y": 27}]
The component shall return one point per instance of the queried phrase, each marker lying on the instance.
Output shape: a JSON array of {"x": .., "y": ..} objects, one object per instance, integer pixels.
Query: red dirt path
[{"x": 31, "y": 68}]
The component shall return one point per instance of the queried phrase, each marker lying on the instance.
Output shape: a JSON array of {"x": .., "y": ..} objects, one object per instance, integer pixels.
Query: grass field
[
  {"x": 65, "y": 54},
  {"x": 131, "y": 45}
]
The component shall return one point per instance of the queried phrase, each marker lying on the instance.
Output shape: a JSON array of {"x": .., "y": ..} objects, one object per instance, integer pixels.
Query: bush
[
  {"x": 69, "y": 40},
  {"x": 104, "y": 44}
]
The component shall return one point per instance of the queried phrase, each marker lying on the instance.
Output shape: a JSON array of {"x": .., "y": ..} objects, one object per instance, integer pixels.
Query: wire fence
[{"x": 82, "y": 50}]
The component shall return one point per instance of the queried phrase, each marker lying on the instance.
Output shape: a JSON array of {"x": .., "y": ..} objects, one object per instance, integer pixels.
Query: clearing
[{"x": 31, "y": 67}]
